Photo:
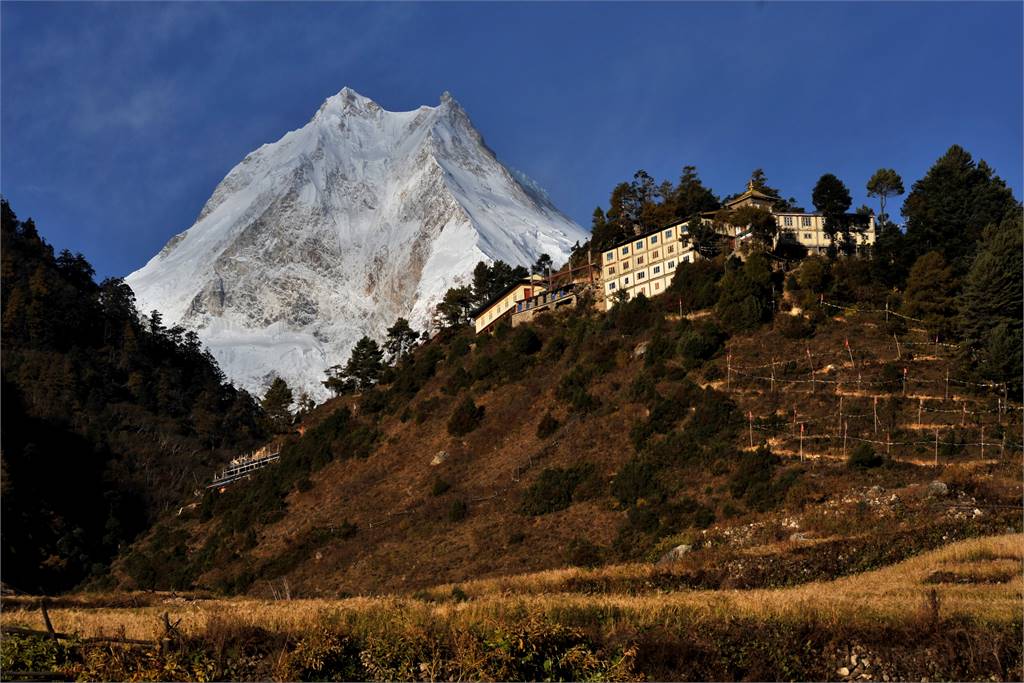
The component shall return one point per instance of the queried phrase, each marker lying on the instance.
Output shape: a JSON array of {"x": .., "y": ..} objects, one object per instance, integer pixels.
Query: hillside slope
[{"x": 654, "y": 434}]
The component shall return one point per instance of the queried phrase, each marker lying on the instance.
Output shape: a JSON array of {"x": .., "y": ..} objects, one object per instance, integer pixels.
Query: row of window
[
  {"x": 805, "y": 221},
  {"x": 654, "y": 256},
  {"x": 655, "y": 289},
  {"x": 652, "y": 240},
  {"x": 656, "y": 271}
]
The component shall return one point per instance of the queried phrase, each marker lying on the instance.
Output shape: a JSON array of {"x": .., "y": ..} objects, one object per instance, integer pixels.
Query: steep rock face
[{"x": 338, "y": 228}]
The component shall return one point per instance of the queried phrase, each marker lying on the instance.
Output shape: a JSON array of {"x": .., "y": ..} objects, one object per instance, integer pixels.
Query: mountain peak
[
  {"x": 339, "y": 228},
  {"x": 348, "y": 101}
]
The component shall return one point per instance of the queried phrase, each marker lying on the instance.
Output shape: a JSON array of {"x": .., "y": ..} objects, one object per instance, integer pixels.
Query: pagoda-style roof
[{"x": 751, "y": 193}]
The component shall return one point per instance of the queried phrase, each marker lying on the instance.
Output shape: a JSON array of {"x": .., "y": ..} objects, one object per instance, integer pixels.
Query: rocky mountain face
[{"x": 337, "y": 229}]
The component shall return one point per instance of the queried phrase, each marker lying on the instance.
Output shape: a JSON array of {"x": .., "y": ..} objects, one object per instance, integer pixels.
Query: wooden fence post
[
  {"x": 875, "y": 410},
  {"x": 801, "y": 442},
  {"x": 810, "y": 361},
  {"x": 899, "y": 354},
  {"x": 920, "y": 407}
]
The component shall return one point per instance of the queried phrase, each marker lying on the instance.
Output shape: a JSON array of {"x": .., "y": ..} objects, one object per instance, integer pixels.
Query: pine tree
[
  {"x": 690, "y": 197},
  {"x": 365, "y": 364},
  {"x": 833, "y": 200},
  {"x": 277, "y": 404},
  {"x": 453, "y": 309},
  {"x": 930, "y": 293},
  {"x": 401, "y": 340},
  {"x": 949, "y": 207},
  {"x": 883, "y": 184},
  {"x": 991, "y": 304},
  {"x": 542, "y": 266}
]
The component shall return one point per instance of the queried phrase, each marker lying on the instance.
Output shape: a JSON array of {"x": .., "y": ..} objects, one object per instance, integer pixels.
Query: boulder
[
  {"x": 937, "y": 489},
  {"x": 675, "y": 554},
  {"x": 640, "y": 349},
  {"x": 439, "y": 458}
]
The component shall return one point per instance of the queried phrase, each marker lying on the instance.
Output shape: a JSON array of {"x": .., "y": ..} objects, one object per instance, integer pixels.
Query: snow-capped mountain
[{"x": 337, "y": 229}]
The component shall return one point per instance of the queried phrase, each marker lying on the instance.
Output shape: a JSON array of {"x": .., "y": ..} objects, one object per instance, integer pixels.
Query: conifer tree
[
  {"x": 277, "y": 404},
  {"x": 883, "y": 184},
  {"x": 949, "y": 207},
  {"x": 991, "y": 304},
  {"x": 401, "y": 340},
  {"x": 930, "y": 293},
  {"x": 365, "y": 364},
  {"x": 833, "y": 200},
  {"x": 542, "y": 266}
]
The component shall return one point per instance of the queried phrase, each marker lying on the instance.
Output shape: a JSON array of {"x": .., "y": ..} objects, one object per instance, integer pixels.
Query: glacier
[{"x": 337, "y": 229}]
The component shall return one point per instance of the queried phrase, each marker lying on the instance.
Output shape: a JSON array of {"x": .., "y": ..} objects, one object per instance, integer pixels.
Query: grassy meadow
[{"x": 950, "y": 613}]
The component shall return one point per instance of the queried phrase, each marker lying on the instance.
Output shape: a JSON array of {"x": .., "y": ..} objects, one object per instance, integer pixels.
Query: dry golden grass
[{"x": 889, "y": 595}]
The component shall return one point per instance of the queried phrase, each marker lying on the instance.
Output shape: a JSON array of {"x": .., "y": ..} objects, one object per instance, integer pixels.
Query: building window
[
  {"x": 611, "y": 286},
  {"x": 611, "y": 270},
  {"x": 654, "y": 239},
  {"x": 671, "y": 249},
  {"x": 686, "y": 259},
  {"x": 625, "y": 280},
  {"x": 807, "y": 235},
  {"x": 787, "y": 221},
  {"x": 625, "y": 250},
  {"x": 655, "y": 257},
  {"x": 671, "y": 265},
  {"x": 609, "y": 256},
  {"x": 639, "y": 260},
  {"x": 668, "y": 234},
  {"x": 657, "y": 269},
  {"x": 625, "y": 265},
  {"x": 657, "y": 285},
  {"x": 641, "y": 275},
  {"x": 805, "y": 221},
  {"x": 640, "y": 245}
]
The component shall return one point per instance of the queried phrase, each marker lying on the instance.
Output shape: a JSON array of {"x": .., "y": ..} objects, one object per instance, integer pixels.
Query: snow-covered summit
[{"x": 338, "y": 228}]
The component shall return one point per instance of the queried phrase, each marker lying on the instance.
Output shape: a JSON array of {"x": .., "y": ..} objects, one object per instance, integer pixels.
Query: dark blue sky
[{"x": 119, "y": 119}]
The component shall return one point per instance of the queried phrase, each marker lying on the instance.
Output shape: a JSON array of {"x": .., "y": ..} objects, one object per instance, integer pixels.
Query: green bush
[
  {"x": 715, "y": 417},
  {"x": 525, "y": 341},
  {"x": 864, "y": 457},
  {"x": 634, "y": 316},
  {"x": 459, "y": 380},
  {"x": 755, "y": 468},
  {"x": 465, "y": 418},
  {"x": 583, "y": 553},
  {"x": 695, "y": 284},
  {"x": 699, "y": 343},
  {"x": 553, "y": 490},
  {"x": 794, "y": 326},
  {"x": 439, "y": 487},
  {"x": 636, "y": 480},
  {"x": 643, "y": 389},
  {"x": 547, "y": 426},
  {"x": 458, "y": 510}
]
